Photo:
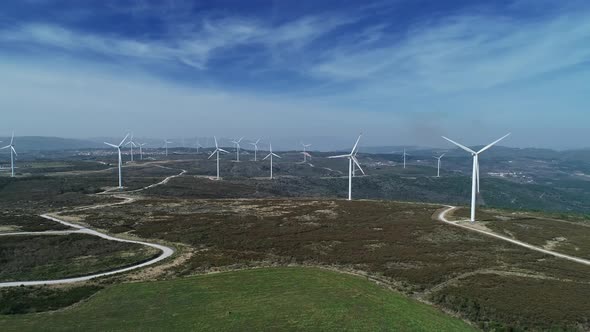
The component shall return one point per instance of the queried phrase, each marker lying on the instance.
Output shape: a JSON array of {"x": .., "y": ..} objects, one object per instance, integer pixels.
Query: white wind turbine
[
  {"x": 131, "y": 144},
  {"x": 166, "y": 142},
  {"x": 351, "y": 159},
  {"x": 12, "y": 154},
  {"x": 118, "y": 147},
  {"x": 271, "y": 154},
  {"x": 216, "y": 151},
  {"x": 237, "y": 143},
  {"x": 255, "y": 144},
  {"x": 475, "y": 174},
  {"x": 438, "y": 164},
  {"x": 305, "y": 153},
  {"x": 141, "y": 150},
  {"x": 198, "y": 145}
]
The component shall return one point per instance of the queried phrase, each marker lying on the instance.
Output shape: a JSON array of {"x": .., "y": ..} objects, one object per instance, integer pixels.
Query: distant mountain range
[{"x": 44, "y": 143}]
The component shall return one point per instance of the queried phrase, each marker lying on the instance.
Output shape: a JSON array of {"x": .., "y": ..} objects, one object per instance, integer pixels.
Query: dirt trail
[
  {"x": 442, "y": 216},
  {"x": 166, "y": 251}
]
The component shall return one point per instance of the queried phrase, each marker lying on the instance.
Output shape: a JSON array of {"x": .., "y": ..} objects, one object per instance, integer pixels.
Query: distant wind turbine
[
  {"x": 438, "y": 164},
  {"x": 237, "y": 143},
  {"x": 131, "y": 144},
  {"x": 305, "y": 153},
  {"x": 475, "y": 175},
  {"x": 166, "y": 142},
  {"x": 141, "y": 150},
  {"x": 217, "y": 150},
  {"x": 118, "y": 147},
  {"x": 198, "y": 145},
  {"x": 255, "y": 144},
  {"x": 351, "y": 159},
  {"x": 13, "y": 153},
  {"x": 271, "y": 154}
]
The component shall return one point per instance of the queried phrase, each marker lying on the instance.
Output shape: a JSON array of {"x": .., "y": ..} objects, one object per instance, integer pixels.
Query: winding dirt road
[
  {"x": 166, "y": 251},
  {"x": 442, "y": 216}
]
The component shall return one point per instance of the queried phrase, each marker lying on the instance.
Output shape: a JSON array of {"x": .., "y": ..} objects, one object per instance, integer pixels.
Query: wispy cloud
[
  {"x": 463, "y": 53},
  {"x": 190, "y": 44}
]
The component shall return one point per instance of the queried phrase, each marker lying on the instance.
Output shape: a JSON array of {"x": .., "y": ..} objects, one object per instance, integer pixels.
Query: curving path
[
  {"x": 442, "y": 216},
  {"x": 166, "y": 251}
]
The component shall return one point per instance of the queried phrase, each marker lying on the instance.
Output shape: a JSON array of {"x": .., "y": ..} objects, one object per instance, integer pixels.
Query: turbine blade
[
  {"x": 340, "y": 156},
  {"x": 222, "y": 150},
  {"x": 276, "y": 155},
  {"x": 215, "y": 138},
  {"x": 460, "y": 145},
  {"x": 6, "y": 147},
  {"x": 109, "y": 144},
  {"x": 356, "y": 162},
  {"x": 268, "y": 155},
  {"x": 12, "y": 138},
  {"x": 493, "y": 143},
  {"x": 123, "y": 141},
  {"x": 212, "y": 154},
  {"x": 356, "y": 144},
  {"x": 13, "y": 150}
]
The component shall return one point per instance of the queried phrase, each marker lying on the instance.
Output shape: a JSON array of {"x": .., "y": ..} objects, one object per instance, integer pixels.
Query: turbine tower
[
  {"x": 237, "y": 143},
  {"x": 351, "y": 159},
  {"x": 475, "y": 174},
  {"x": 438, "y": 164},
  {"x": 118, "y": 147},
  {"x": 255, "y": 144},
  {"x": 271, "y": 154},
  {"x": 12, "y": 154},
  {"x": 217, "y": 150},
  {"x": 405, "y": 154},
  {"x": 305, "y": 153}
]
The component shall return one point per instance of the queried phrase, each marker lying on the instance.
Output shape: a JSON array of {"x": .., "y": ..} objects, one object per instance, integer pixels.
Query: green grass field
[{"x": 277, "y": 299}]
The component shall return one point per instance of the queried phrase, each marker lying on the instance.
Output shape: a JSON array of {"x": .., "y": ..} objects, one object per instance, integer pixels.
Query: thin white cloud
[
  {"x": 191, "y": 44},
  {"x": 463, "y": 53}
]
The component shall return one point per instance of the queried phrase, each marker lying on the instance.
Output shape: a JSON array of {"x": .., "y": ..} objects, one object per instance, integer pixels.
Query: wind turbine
[
  {"x": 475, "y": 175},
  {"x": 438, "y": 162},
  {"x": 351, "y": 159},
  {"x": 255, "y": 144},
  {"x": 12, "y": 154},
  {"x": 217, "y": 150},
  {"x": 237, "y": 143},
  {"x": 166, "y": 142},
  {"x": 198, "y": 145},
  {"x": 305, "y": 153},
  {"x": 271, "y": 154},
  {"x": 141, "y": 150},
  {"x": 131, "y": 145},
  {"x": 120, "y": 159}
]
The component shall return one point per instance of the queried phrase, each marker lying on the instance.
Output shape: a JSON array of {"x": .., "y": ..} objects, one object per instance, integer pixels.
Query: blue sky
[{"x": 403, "y": 71}]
